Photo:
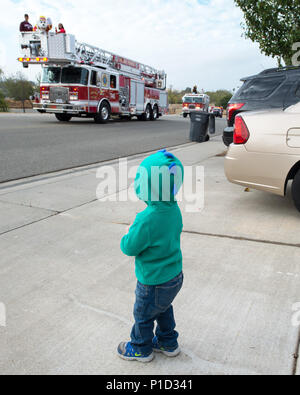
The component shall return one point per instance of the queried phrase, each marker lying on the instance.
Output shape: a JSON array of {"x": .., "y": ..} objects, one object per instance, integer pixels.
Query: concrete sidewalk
[{"x": 69, "y": 291}]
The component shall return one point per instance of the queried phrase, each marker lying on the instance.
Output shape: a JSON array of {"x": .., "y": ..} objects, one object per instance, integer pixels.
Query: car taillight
[
  {"x": 232, "y": 108},
  {"x": 241, "y": 133}
]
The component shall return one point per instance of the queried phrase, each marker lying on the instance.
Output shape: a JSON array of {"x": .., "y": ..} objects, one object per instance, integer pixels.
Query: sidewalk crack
[
  {"x": 191, "y": 232},
  {"x": 28, "y": 224},
  {"x": 54, "y": 213},
  {"x": 98, "y": 311},
  {"x": 279, "y": 243},
  {"x": 29, "y": 206}
]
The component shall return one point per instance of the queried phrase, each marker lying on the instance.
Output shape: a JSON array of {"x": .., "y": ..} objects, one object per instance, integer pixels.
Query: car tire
[
  {"x": 63, "y": 117},
  {"x": 103, "y": 116},
  {"x": 296, "y": 190}
]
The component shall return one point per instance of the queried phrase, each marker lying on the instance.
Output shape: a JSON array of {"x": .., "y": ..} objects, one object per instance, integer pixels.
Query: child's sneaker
[
  {"x": 166, "y": 351},
  {"x": 127, "y": 352}
]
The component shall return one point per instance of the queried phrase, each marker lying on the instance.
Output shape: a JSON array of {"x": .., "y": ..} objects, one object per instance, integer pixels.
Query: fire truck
[
  {"x": 194, "y": 102},
  {"x": 80, "y": 80}
]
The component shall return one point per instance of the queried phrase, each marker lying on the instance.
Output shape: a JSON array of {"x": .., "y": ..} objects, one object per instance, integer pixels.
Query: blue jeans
[{"x": 154, "y": 303}]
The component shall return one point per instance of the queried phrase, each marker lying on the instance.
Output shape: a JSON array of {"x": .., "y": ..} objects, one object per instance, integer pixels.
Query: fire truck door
[
  {"x": 125, "y": 93},
  {"x": 94, "y": 93},
  {"x": 140, "y": 96},
  {"x": 133, "y": 94}
]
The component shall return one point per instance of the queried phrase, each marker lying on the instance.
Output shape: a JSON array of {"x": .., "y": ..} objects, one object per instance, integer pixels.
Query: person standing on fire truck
[
  {"x": 61, "y": 29},
  {"x": 25, "y": 26}
]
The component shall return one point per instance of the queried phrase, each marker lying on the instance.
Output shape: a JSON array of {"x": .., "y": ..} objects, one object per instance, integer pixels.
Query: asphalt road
[{"x": 33, "y": 144}]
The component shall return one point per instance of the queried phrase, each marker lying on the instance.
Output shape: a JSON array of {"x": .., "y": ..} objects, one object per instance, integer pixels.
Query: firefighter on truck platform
[{"x": 80, "y": 80}]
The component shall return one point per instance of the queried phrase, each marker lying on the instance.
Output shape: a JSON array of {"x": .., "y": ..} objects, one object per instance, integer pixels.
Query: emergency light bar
[{"x": 38, "y": 60}]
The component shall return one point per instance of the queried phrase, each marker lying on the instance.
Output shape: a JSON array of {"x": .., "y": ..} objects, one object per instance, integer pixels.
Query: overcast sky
[{"x": 194, "y": 41}]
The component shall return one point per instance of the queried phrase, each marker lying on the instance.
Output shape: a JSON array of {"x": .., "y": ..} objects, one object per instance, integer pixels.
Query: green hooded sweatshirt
[{"x": 154, "y": 237}]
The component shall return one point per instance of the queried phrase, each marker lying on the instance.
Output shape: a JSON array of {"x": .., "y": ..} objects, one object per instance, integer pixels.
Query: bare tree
[
  {"x": 3, "y": 104},
  {"x": 19, "y": 88}
]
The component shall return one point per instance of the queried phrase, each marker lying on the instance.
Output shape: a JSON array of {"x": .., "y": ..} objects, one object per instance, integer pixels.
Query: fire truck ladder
[
  {"x": 54, "y": 48},
  {"x": 99, "y": 57}
]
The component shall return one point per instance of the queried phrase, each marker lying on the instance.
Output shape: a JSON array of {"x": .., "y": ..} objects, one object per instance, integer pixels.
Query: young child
[{"x": 154, "y": 239}]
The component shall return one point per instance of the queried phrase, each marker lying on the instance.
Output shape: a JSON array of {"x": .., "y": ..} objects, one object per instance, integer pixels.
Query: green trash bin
[{"x": 199, "y": 126}]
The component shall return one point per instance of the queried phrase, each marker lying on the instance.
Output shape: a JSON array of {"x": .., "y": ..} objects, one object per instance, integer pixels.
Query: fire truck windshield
[
  {"x": 51, "y": 75},
  {"x": 74, "y": 75},
  {"x": 65, "y": 75},
  {"x": 197, "y": 100}
]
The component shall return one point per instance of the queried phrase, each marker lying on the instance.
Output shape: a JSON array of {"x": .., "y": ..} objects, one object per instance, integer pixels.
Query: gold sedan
[{"x": 265, "y": 153}]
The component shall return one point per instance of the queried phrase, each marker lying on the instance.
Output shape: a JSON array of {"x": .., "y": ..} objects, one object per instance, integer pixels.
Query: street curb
[{"x": 73, "y": 170}]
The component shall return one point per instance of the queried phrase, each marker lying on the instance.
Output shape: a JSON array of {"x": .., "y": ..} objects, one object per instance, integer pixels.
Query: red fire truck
[
  {"x": 79, "y": 80},
  {"x": 194, "y": 102}
]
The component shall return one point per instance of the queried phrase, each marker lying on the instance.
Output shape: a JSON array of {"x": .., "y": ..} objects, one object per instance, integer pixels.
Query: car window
[
  {"x": 74, "y": 75},
  {"x": 298, "y": 92},
  {"x": 292, "y": 95},
  {"x": 198, "y": 100},
  {"x": 51, "y": 75},
  {"x": 94, "y": 78},
  {"x": 113, "y": 82},
  {"x": 259, "y": 88}
]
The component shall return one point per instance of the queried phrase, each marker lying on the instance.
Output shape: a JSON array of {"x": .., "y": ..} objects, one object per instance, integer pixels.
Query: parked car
[
  {"x": 265, "y": 153},
  {"x": 272, "y": 88}
]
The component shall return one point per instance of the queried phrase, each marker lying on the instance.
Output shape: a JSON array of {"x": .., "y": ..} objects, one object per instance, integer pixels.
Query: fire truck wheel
[
  {"x": 103, "y": 115},
  {"x": 185, "y": 115},
  {"x": 147, "y": 115},
  {"x": 154, "y": 113},
  {"x": 63, "y": 117}
]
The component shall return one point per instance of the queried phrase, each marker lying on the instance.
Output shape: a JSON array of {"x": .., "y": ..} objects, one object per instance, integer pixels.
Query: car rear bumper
[
  {"x": 189, "y": 110},
  {"x": 256, "y": 170},
  {"x": 228, "y": 136}
]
